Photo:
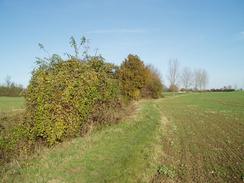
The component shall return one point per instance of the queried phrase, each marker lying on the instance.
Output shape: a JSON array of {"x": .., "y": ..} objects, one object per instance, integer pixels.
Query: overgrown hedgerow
[
  {"x": 153, "y": 87},
  {"x": 15, "y": 137},
  {"x": 66, "y": 97},
  {"x": 61, "y": 96}
]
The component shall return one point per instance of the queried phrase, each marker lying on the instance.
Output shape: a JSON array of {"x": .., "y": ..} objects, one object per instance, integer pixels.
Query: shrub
[
  {"x": 107, "y": 108},
  {"x": 166, "y": 171},
  {"x": 15, "y": 139},
  {"x": 132, "y": 77},
  {"x": 173, "y": 88},
  {"x": 65, "y": 97},
  {"x": 153, "y": 86},
  {"x": 138, "y": 80},
  {"x": 62, "y": 94}
]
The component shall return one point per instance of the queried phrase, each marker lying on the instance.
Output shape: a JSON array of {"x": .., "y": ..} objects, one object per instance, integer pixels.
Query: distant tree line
[
  {"x": 222, "y": 90},
  {"x": 225, "y": 89},
  {"x": 186, "y": 80},
  {"x": 11, "y": 89},
  {"x": 190, "y": 80}
]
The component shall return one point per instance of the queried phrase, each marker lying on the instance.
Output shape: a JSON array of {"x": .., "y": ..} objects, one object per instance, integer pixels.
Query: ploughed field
[
  {"x": 195, "y": 137},
  {"x": 203, "y": 139}
]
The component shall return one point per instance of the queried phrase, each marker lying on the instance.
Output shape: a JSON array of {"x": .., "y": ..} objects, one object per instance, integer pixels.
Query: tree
[
  {"x": 173, "y": 75},
  {"x": 204, "y": 79},
  {"x": 153, "y": 86},
  {"x": 8, "y": 81},
  {"x": 10, "y": 88},
  {"x": 200, "y": 79},
  {"x": 187, "y": 78},
  {"x": 132, "y": 76}
]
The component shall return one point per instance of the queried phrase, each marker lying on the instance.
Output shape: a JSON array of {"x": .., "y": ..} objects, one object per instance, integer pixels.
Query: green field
[
  {"x": 182, "y": 138},
  {"x": 11, "y": 103},
  {"x": 203, "y": 138}
]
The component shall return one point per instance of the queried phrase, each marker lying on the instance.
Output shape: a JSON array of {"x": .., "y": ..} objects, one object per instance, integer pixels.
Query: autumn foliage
[
  {"x": 66, "y": 97},
  {"x": 153, "y": 87},
  {"x": 138, "y": 80},
  {"x": 61, "y": 96}
]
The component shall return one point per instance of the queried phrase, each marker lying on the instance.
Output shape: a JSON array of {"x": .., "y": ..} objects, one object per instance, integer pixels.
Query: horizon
[{"x": 208, "y": 35}]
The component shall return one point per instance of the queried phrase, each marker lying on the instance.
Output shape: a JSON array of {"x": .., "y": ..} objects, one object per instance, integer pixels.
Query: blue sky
[{"x": 199, "y": 33}]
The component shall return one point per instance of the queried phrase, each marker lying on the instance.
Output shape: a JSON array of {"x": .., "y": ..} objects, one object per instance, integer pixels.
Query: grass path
[{"x": 125, "y": 152}]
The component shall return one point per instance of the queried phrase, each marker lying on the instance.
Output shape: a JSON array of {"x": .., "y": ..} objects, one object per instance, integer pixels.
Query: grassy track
[
  {"x": 11, "y": 103},
  {"x": 204, "y": 138},
  {"x": 120, "y": 153}
]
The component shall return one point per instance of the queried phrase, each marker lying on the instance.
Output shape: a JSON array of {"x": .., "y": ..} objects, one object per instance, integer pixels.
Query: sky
[{"x": 198, "y": 33}]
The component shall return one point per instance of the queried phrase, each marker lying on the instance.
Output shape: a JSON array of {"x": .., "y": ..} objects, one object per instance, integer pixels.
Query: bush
[
  {"x": 107, "y": 108},
  {"x": 15, "y": 139},
  {"x": 132, "y": 77},
  {"x": 66, "y": 97},
  {"x": 153, "y": 86},
  {"x": 138, "y": 80},
  {"x": 62, "y": 94}
]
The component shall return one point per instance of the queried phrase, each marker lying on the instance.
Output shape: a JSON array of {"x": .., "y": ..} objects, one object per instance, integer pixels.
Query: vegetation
[
  {"x": 13, "y": 133},
  {"x": 138, "y": 80},
  {"x": 64, "y": 97},
  {"x": 11, "y": 89},
  {"x": 186, "y": 80},
  {"x": 8, "y": 104},
  {"x": 153, "y": 87},
  {"x": 120, "y": 153},
  {"x": 203, "y": 138},
  {"x": 173, "y": 75},
  {"x": 68, "y": 97},
  {"x": 14, "y": 137},
  {"x": 194, "y": 137},
  {"x": 131, "y": 75},
  {"x": 62, "y": 94}
]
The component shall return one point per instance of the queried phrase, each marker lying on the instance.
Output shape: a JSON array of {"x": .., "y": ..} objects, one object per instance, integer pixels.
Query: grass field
[
  {"x": 11, "y": 103},
  {"x": 182, "y": 138}
]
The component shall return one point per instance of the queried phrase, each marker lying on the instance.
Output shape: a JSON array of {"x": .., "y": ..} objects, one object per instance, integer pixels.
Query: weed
[{"x": 166, "y": 171}]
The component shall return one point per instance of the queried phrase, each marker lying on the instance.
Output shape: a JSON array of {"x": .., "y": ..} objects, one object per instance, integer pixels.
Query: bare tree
[
  {"x": 187, "y": 78},
  {"x": 197, "y": 79},
  {"x": 8, "y": 81},
  {"x": 173, "y": 75},
  {"x": 204, "y": 79},
  {"x": 200, "y": 79}
]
